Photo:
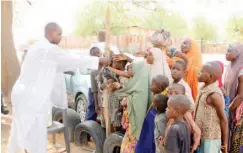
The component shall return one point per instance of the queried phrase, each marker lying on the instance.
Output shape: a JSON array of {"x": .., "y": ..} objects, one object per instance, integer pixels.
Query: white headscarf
[{"x": 160, "y": 65}]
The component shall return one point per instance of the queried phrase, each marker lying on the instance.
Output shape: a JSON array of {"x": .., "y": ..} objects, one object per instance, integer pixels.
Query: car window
[
  {"x": 68, "y": 82},
  {"x": 84, "y": 72}
]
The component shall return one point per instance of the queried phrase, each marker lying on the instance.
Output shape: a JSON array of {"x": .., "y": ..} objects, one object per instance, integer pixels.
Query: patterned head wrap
[{"x": 161, "y": 38}]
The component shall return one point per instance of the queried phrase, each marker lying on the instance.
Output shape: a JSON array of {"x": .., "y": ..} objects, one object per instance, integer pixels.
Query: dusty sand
[{"x": 60, "y": 145}]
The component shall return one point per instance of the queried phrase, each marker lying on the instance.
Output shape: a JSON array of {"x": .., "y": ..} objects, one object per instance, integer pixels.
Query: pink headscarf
[
  {"x": 231, "y": 76},
  {"x": 220, "y": 78}
]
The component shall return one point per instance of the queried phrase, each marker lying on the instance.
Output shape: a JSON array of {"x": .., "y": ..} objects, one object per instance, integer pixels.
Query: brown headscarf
[{"x": 232, "y": 72}]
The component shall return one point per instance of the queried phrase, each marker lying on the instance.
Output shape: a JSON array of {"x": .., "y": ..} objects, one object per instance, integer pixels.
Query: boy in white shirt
[{"x": 178, "y": 72}]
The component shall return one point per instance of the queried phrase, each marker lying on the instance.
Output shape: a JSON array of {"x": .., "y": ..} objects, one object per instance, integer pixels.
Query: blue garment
[
  {"x": 172, "y": 51},
  {"x": 210, "y": 146},
  {"x": 198, "y": 150},
  {"x": 91, "y": 114},
  {"x": 146, "y": 142},
  {"x": 227, "y": 102}
]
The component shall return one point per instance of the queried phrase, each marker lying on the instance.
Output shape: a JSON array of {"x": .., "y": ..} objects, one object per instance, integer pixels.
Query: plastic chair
[{"x": 60, "y": 127}]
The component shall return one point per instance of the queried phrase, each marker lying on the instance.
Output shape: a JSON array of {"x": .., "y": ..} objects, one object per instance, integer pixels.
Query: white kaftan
[
  {"x": 188, "y": 93},
  {"x": 41, "y": 84}
]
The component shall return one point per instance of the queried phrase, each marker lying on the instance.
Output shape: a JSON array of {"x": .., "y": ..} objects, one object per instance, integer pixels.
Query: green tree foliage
[
  {"x": 91, "y": 19},
  {"x": 165, "y": 19},
  {"x": 202, "y": 29},
  {"x": 234, "y": 29},
  {"x": 124, "y": 13}
]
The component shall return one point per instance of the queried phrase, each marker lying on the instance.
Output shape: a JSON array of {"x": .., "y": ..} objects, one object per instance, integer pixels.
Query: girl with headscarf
[
  {"x": 192, "y": 51},
  {"x": 233, "y": 84},
  {"x": 157, "y": 54},
  {"x": 159, "y": 74}
]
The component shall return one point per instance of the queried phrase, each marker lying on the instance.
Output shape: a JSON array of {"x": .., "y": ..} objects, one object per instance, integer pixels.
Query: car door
[{"x": 69, "y": 86}]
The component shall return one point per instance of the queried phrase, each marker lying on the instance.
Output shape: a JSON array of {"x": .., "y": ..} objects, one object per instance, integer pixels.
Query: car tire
[
  {"x": 113, "y": 143},
  {"x": 82, "y": 107},
  {"x": 93, "y": 129},
  {"x": 73, "y": 120}
]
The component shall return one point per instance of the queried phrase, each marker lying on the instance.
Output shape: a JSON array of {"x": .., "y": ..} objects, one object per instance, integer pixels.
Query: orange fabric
[
  {"x": 193, "y": 67},
  {"x": 169, "y": 60},
  {"x": 172, "y": 60}
]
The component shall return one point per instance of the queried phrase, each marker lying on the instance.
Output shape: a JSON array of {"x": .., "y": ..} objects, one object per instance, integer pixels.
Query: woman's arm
[
  {"x": 128, "y": 74},
  {"x": 121, "y": 57},
  {"x": 239, "y": 98}
]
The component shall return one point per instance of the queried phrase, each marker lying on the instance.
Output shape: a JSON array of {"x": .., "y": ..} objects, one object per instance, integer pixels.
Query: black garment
[
  {"x": 178, "y": 138},
  {"x": 4, "y": 109}
]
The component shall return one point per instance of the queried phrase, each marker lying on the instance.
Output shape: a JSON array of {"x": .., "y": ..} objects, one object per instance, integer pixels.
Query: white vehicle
[{"x": 78, "y": 84}]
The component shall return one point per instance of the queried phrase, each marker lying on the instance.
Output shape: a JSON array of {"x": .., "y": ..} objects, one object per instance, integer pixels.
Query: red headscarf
[{"x": 220, "y": 78}]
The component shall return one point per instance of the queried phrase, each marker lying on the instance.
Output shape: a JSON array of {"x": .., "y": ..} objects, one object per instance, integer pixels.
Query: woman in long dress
[
  {"x": 192, "y": 51},
  {"x": 157, "y": 54},
  {"x": 233, "y": 84},
  {"x": 158, "y": 67}
]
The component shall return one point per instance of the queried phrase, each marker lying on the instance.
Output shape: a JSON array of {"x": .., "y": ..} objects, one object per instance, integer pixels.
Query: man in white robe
[{"x": 40, "y": 85}]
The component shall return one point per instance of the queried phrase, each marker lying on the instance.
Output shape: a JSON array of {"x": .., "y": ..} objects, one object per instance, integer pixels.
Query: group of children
[{"x": 160, "y": 115}]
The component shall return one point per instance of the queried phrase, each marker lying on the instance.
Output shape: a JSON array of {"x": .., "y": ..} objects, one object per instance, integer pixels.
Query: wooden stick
[
  {"x": 107, "y": 53},
  {"x": 107, "y": 32}
]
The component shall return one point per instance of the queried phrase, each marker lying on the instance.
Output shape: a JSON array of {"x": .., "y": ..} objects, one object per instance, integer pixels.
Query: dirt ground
[{"x": 58, "y": 148}]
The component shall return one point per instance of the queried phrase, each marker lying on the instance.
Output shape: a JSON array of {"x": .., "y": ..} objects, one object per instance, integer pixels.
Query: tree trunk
[{"x": 10, "y": 66}]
